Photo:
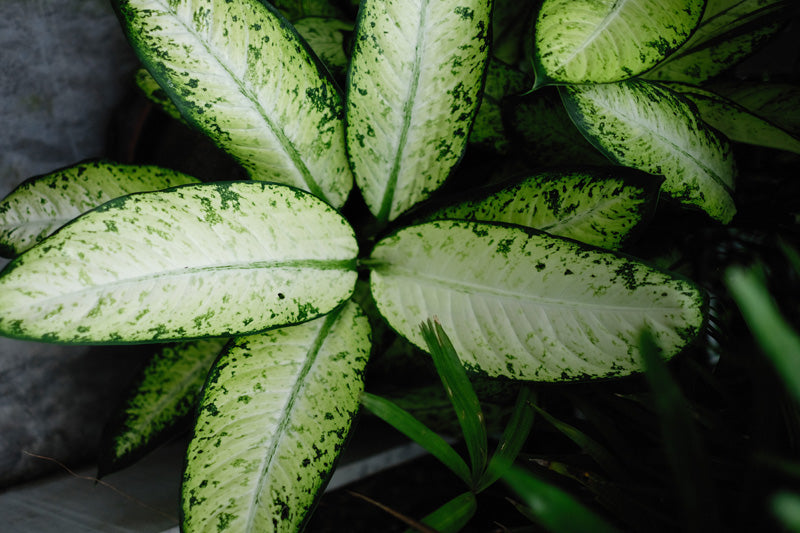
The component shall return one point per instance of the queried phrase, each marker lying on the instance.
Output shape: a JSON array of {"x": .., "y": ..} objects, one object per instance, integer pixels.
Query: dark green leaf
[{"x": 453, "y": 515}]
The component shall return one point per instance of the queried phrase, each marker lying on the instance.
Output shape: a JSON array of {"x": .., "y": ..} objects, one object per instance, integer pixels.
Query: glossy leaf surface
[
  {"x": 42, "y": 204},
  {"x": 778, "y": 103},
  {"x": 275, "y": 413},
  {"x": 736, "y": 122},
  {"x": 241, "y": 74},
  {"x": 599, "y": 206},
  {"x": 591, "y": 41},
  {"x": 729, "y": 31},
  {"x": 163, "y": 394},
  {"x": 526, "y": 305},
  {"x": 413, "y": 91},
  {"x": 646, "y": 126},
  {"x": 210, "y": 260}
]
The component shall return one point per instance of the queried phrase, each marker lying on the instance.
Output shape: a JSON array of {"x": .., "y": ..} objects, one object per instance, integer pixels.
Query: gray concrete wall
[{"x": 64, "y": 66}]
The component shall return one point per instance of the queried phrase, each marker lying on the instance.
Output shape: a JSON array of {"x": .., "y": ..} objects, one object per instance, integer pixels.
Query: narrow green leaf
[
  {"x": 539, "y": 125},
  {"x": 326, "y": 36},
  {"x": 523, "y": 304},
  {"x": 275, "y": 413},
  {"x": 488, "y": 129},
  {"x": 780, "y": 343},
  {"x": 453, "y": 515},
  {"x": 413, "y": 92},
  {"x": 736, "y": 122},
  {"x": 209, "y": 260},
  {"x": 586, "y": 41},
  {"x": 241, "y": 74},
  {"x": 163, "y": 394},
  {"x": 42, "y": 204},
  {"x": 603, "y": 206},
  {"x": 409, "y": 426},
  {"x": 153, "y": 91},
  {"x": 646, "y": 126},
  {"x": 777, "y": 103},
  {"x": 552, "y": 508},
  {"x": 514, "y": 436},
  {"x": 729, "y": 31},
  {"x": 460, "y": 392},
  {"x": 682, "y": 442},
  {"x": 594, "y": 449}
]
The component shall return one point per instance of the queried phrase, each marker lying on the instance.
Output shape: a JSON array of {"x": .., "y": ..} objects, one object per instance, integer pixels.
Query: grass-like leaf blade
[
  {"x": 780, "y": 343},
  {"x": 460, "y": 392},
  {"x": 42, "y": 204},
  {"x": 646, "y": 126},
  {"x": 552, "y": 508},
  {"x": 453, "y": 515},
  {"x": 240, "y": 73},
  {"x": 514, "y": 436},
  {"x": 208, "y": 260},
  {"x": 164, "y": 393},
  {"x": 275, "y": 413},
  {"x": 413, "y": 91},
  {"x": 526, "y": 305},
  {"x": 409, "y": 426},
  {"x": 586, "y": 41}
]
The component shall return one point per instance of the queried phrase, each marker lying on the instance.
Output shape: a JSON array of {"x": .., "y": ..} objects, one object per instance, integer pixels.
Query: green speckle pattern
[
  {"x": 259, "y": 465},
  {"x": 240, "y": 73},
  {"x": 413, "y": 91},
  {"x": 326, "y": 36},
  {"x": 164, "y": 393},
  {"x": 153, "y": 91},
  {"x": 646, "y": 126},
  {"x": 601, "y": 41},
  {"x": 529, "y": 306},
  {"x": 208, "y": 260},
  {"x": 599, "y": 206},
  {"x": 42, "y": 204},
  {"x": 729, "y": 31}
]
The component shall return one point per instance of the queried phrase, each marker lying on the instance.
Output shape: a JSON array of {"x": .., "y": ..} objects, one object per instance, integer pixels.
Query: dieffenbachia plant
[{"x": 256, "y": 278}]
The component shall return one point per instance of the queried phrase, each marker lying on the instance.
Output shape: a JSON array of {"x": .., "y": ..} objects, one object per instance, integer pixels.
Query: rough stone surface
[{"x": 64, "y": 66}]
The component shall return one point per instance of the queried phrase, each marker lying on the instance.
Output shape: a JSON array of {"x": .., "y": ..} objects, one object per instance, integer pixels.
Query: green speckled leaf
[
  {"x": 488, "y": 129},
  {"x": 729, "y": 31},
  {"x": 540, "y": 126},
  {"x": 275, "y": 413},
  {"x": 42, "y": 204},
  {"x": 599, "y": 41},
  {"x": 646, "y": 126},
  {"x": 209, "y": 260},
  {"x": 163, "y": 394},
  {"x": 599, "y": 206},
  {"x": 413, "y": 91},
  {"x": 736, "y": 122},
  {"x": 241, "y": 74},
  {"x": 153, "y": 91},
  {"x": 328, "y": 38},
  {"x": 778, "y": 103},
  {"x": 526, "y": 305}
]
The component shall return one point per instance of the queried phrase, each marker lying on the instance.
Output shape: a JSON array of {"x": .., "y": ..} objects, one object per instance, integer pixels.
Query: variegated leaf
[
  {"x": 241, "y": 74},
  {"x": 736, "y": 122},
  {"x": 529, "y": 306},
  {"x": 42, "y": 204},
  {"x": 164, "y": 393},
  {"x": 646, "y": 126},
  {"x": 275, "y": 413},
  {"x": 601, "y": 206},
  {"x": 326, "y": 36},
  {"x": 413, "y": 91},
  {"x": 591, "y": 41},
  {"x": 729, "y": 31},
  {"x": 209, "y": 260},
  {"x": 153, "y": 91},
  {"x": 778, "y": 103},
  {"x": 295, "y": 10}
]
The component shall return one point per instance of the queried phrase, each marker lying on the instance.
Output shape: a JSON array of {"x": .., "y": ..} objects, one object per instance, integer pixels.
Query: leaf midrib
[
  {"x": 284, "y": 141},
  {"x": 298, "y": 385},
  {"x": 471, "y": 288},
  {"x": 408, "y": 110}
]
